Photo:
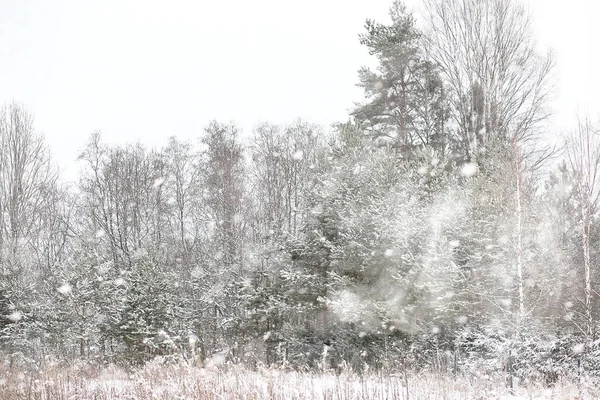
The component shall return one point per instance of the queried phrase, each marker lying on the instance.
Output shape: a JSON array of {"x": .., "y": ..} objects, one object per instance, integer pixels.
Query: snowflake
[
  {"x": 358, "y": 169},
  {"x": 158, "y": 182},
  {"x": 65, "y": 289},
  {"x": 506, "y": 302},
  {"x": 469, "y": 169},
  {"x": 578, "y": 348},
  {"x": 15, "y": 316},
  {"x": 298, "y": 155},
  {"x": 568, "y": 304}
]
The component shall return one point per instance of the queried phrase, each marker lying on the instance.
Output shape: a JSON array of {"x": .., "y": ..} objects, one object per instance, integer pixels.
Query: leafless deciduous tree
[
  {"x": 224, "y": 179},
  {"x": 498, "y": 86},
  {"x": 182, "y": 191},
  {"x": 498, "y": 83},
  {"x": 26, "y": 178},
  {"x": 584, "y": 159},
  {"x": 122, "y": 189},
  {"x": 281, "y": 161}
]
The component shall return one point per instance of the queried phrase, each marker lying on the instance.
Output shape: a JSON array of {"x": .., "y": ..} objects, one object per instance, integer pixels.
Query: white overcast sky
[{"x": 146, "y": 70}]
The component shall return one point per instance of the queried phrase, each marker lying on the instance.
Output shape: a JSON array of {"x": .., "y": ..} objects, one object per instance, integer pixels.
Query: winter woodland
[{"x": 444, "y": 230}]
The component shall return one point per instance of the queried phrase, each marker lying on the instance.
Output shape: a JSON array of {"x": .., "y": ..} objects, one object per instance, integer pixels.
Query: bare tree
[
  {"x": 26, "y": 177},
  {"x": 584, "y": 159},
  {"x": 498, "y": 83},
  {"x": 182, "y": 190},
  {"x": 51, "y": 243},
  {"x": 122, "y": 189},
  {"x": 224, "y": 179},
  {"x": 281, "y": 164},
  {"x": 498, "y": 87}
]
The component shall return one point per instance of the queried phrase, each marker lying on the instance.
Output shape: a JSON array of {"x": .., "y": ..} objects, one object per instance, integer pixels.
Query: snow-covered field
[{"x": 159, "y": 381}]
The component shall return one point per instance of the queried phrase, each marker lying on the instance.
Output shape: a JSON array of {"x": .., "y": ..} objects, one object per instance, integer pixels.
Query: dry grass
[{"x": 180, "y": 381}]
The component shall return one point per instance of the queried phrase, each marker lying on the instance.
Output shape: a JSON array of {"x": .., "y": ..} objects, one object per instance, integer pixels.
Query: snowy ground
[{"x": 159, "y": 381}]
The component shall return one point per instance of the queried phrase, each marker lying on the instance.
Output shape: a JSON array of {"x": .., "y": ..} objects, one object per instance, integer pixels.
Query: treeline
[{"x": 435, "y": 229}]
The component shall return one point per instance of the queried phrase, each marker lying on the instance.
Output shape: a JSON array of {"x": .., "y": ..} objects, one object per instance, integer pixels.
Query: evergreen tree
[{"x": 406, "y": 103}]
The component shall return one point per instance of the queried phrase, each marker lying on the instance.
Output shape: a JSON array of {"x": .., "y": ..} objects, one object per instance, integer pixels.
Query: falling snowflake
[
  {"x": 298, "y": 155},
  {"x": 65, "y": 289},
  {"x": 119, "y": 282},
  {"x": 568, "y": 304},
  {"x": 197, "y": 272},
  {"x": 358, "y": 169},
  {"x": 318, "y": 209},
  {"x": 469, "y": 169},
  {"x": 158, "y": 182},
  {"x": 161, "y": 333},
  {"x": 15, "y": 316},
  {"x": 569, "y": 316},
  {"x": 192, "y": 339},
  {"x": 578, "y": 348},
  {"x": 506, "y": 302},
  {"x": 216, "y": 361}
]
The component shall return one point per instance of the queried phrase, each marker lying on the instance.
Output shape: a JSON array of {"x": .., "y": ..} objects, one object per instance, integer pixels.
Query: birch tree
[
  {"x": 499, "y": 86},
  {"x": 584, "y": 159}
]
